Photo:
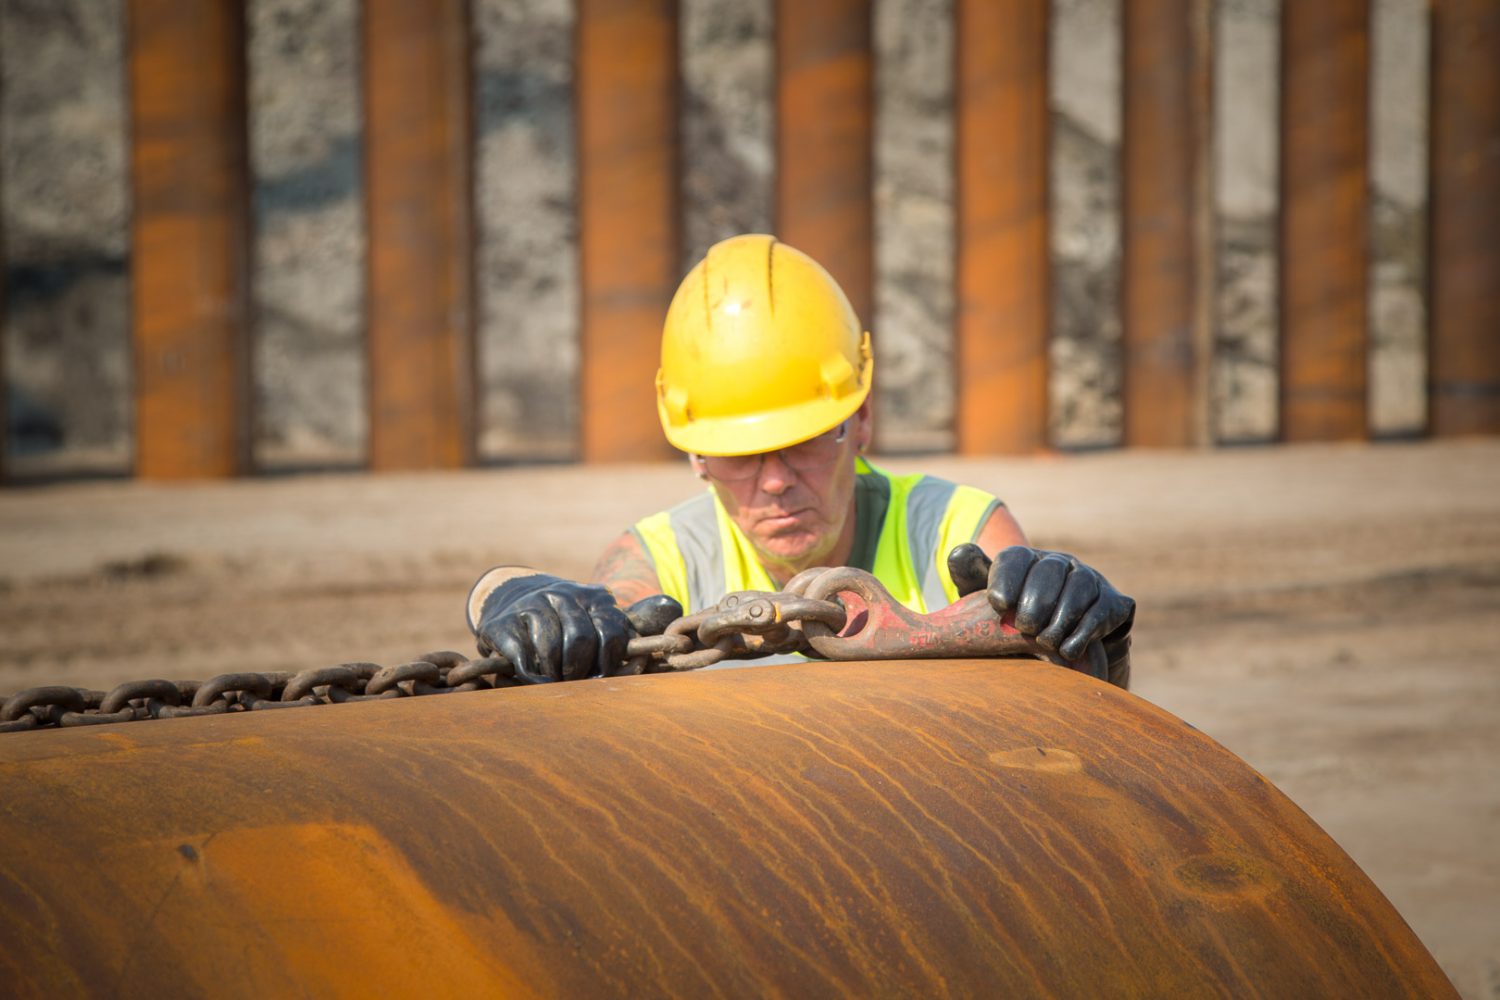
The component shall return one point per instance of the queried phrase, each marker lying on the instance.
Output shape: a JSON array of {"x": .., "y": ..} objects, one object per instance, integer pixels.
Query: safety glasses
[{"x": 805, "y": 456}]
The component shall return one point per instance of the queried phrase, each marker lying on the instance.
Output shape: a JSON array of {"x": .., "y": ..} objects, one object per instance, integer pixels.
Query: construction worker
[{"x": 764, "y": 383}]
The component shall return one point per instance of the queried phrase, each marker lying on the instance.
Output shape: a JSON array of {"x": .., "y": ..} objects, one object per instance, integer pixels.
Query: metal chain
[
  {"x": 433, "y": 673},
  {"x": 840, "y": 613},
  {"x": 741, "y": 626}
]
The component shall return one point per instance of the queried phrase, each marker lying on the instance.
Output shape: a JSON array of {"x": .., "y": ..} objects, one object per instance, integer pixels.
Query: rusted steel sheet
[
  {"x": 628, "y": 225},
  {"x": 418, "y": 151},
  {"x": 1002, "y": 253},
  {"x": 1164, "y": 176},
  {"x": 1325, "y": 62},
  {"x": 966, "y": 828},
  {"x": 1464, "y": 349},
  {"x": 189, "y": 238},
  {"x": 825, "y": 108}
]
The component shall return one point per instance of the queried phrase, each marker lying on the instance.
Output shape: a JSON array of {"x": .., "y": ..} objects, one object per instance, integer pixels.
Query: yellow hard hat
[{"x": 761, "y": 349}]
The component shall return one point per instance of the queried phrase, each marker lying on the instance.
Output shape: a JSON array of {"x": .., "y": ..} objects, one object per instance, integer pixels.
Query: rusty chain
[
  {"x": 433, "y": 673},
  {"x": 741, "y": 626},
  {"x": 836, "y": 614}
]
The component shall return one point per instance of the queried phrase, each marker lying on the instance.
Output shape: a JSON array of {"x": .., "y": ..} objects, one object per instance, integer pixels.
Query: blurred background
[
  {"x": 314, "y": 309},
  {"x": 553, "y": 168}
]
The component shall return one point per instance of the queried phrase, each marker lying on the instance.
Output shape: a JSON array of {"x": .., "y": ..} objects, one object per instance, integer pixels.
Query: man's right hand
[
  {"x": 1066, "y": 605},
  {"x": 552, "y": 629}
]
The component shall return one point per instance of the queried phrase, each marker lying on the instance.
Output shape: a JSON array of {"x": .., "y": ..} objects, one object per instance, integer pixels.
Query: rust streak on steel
[
  {"x": 824, "y": 140},
  {"x": 1325, "y": 62},
  {"x": 1165, "y": 277},
  {"x": 628, "y": 227},
  {"x": 1464, "y": 275},
  {"x": 418, "y": 151},
  {"x": 190, "y": 233},
  {"x": 1002, "y": 253},
  {"x": 963, "y": 828}
]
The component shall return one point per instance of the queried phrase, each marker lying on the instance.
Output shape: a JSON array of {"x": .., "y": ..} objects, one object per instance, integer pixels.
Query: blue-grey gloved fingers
[
  {"x": 1008, "y": 576},
  {"x": 547, "y": 636},
  {"x": 546, "y": 632},
  {"x": 578, "y": 649},
  {"x": 515, "y": 636},
  {"x": 1043, "y": 586},
  {"x": 969, "y": 567},
  {"x": 1110, "y": 616},
  {"x": 1068, "y": 606},
  {"x": 550, "y": 629},
  {"x": 651, "y": 615},
  {"x": 614, "y": 633},
  {"x": 1078, "y": 595}
]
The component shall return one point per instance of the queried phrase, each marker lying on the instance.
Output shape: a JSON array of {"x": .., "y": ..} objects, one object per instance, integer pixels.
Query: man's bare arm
[
  {"x": 1001, "y": 530},
  {"x": 626, "y": 570}
]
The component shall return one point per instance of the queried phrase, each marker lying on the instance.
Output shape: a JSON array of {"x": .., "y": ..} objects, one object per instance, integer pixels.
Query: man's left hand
[{"x": 1066, "y": 605}]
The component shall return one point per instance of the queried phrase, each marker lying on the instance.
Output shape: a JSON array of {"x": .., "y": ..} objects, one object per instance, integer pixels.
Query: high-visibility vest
[{"x": 905, "y": 526}]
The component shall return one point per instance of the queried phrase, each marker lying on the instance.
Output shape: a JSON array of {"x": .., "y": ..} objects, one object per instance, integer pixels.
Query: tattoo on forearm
[{"x": 626, "y": 570}]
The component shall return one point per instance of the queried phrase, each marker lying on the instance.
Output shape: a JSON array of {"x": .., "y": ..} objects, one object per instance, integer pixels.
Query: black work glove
[
  {"x": 1065, "y": 604},
  {"x": 552, "y": 629}
]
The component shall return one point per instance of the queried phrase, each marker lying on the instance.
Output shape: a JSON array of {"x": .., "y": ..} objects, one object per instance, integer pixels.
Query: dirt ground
[{"x": 1329, "y": 613}]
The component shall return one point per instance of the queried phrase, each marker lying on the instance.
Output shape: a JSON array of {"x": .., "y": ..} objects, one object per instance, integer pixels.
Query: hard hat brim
[{"x": 752, "y": 434}]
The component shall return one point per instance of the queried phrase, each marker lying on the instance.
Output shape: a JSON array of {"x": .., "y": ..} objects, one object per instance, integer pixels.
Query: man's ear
[
  {"x": 699, "y": 469},
  {"x": 864, "y": 427}
]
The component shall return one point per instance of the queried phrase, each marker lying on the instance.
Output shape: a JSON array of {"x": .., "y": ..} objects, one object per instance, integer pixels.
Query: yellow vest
[{"x": 905, "y": 526}]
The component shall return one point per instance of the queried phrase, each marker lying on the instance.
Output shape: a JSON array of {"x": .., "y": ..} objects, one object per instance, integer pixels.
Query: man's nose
[{"x": 775, "y": 475}]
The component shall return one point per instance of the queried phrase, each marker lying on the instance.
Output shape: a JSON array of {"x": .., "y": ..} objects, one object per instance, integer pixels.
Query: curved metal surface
[{"x": 937, "y": 828}]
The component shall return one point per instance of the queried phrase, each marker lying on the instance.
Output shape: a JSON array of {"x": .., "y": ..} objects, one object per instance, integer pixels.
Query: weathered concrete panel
[
  {"x": 914, "y": 278},
  {"x": 1247, "y": 143},
  {"x": 1398, "y": 217},
  {"x": 727, "y": 71},
  {"x": 308, "y": 285},
  {"x": 66, "y": 243},
  {"x": 526, "y": 265},
  {"x": 1085, "y": 375}
]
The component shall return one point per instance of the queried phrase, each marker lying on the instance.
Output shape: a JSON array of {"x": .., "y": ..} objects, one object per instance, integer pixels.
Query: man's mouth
[{"x": 782, "y": 521}]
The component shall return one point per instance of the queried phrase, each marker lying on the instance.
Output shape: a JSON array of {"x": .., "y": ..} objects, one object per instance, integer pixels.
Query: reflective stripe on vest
[{"x": 700, "y": 554}]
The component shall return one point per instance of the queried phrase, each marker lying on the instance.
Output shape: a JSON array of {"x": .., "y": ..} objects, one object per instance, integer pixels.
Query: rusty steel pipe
[
  {"x": 1166, "y": 209},
  {"x": 189, "y": 238},
  {"x": 419, "y": 203},
  {"x": 628, "y": 230},
  {"x": 1325, "y": 191},
  {"x": 1464, "y": 263},
  {"x": 825, "y": 104},
  {"x": 937, "y": 828},
  {"x": 1003, "y": 269}
]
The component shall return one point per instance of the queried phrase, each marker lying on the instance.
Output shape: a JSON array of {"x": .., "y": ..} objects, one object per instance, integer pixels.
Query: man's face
[{"x": 796, "y": 506}]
